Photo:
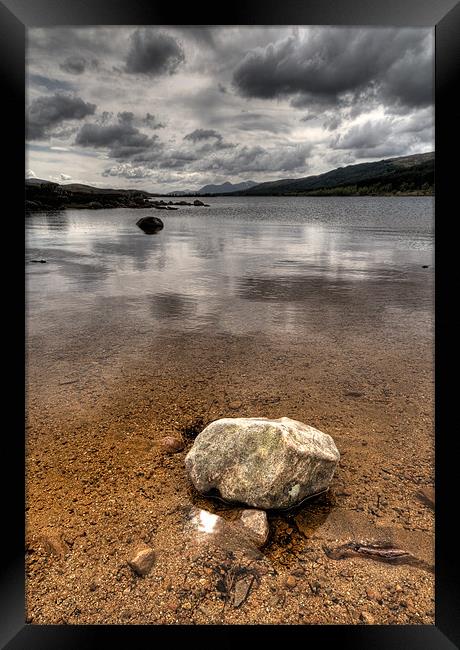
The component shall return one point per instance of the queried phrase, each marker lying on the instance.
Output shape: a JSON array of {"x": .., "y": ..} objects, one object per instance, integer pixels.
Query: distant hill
[
  {"x": 45, "y": 195},
  {"x": 226, "y": 188},
  {"x": 223, "y": 188},
  {"x": 35, "y": 181},
  {"x": 182, "y": 193},
  {"x": 405, "y": 175}
]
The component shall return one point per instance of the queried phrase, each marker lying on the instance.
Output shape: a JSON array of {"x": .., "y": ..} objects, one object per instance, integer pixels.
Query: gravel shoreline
[{"x": 99, "y": 485}]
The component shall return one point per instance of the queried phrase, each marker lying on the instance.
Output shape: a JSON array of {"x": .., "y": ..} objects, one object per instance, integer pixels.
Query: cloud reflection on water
[{"x": 305, "y": 264}]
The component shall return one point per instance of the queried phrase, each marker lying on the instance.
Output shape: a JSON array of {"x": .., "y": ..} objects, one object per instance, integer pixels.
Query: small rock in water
[
  {"x": 372, "y": 594},
  {"x": 208, "y": 528},
  {"x": 38, "y": 261},
  {"x": 150, "y": 225},
  {"x": 242, "y": 588},
  {"x": 263, "y": 463},
  {"x": 142, "y": 561},
  {"x": 53, "y": 544},
  {"x": 256, "y": 524},
  {"x": 366, "y": 618},
  {"x": 427, "y": 496},
  {"x": 236, "y": 404},
  {"x": 291, "y": 582},
  {"x": 171, "y": 445}
]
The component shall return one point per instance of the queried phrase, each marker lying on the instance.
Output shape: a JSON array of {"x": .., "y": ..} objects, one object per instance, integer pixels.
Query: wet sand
[{"x": 98, "y": 483}]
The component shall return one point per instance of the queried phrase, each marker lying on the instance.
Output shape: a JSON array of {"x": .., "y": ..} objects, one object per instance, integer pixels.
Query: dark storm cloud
[
  {"x": 365, "y": 136},
  {"x": 178, "y": 160},
  {"x": 332, "y": 122},
  {"x": 203, "y": 134},
  {"x": 128, "y": 117},
  {"x": 247, "y": 121},
  {"x": 123, "y": 139},
  {"x": 153, "y": 53},
  {"x": 208, "y": 140},
  {"x": 327, "y": 64},
  {"x": 386, "y": 137},
  {"x": 77, "y": 64},
  {"x": 151, "y": 121},
  {"x": 45, "y": 113},
  {"x": 259, "y": 159}
]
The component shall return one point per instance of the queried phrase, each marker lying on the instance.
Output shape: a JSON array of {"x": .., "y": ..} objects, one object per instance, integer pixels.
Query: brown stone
[
  {"x": 372, "y": 594},
  {"x": 426, "y": 496},
  {"x": 171, "y": 445},
  {"x": 366, "y": 618},
  {"x": 256, "y": 525},
  {"x": 291, "y": 582},
  {"x": 242, "y": 589},
  {"x": 53, "y": 544},
  {"x": 142, "y": 561}
]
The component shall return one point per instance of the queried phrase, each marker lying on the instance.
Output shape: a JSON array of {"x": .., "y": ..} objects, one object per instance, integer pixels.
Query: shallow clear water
[{"x": 246, "y": 266}]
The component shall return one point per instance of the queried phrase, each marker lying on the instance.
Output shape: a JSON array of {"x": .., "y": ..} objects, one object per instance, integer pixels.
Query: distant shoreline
[
  {"x": 51, "y": 196},
  {"x": 404, "y": 176}
]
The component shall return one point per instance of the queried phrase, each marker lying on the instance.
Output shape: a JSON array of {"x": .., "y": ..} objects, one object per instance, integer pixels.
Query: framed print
[{"x": 236, "y": 411}]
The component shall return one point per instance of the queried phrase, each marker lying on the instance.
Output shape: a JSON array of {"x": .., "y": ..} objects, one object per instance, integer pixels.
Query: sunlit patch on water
[
  {"x": 206, "y": 528},
  {"x": 205, "y": 522}
]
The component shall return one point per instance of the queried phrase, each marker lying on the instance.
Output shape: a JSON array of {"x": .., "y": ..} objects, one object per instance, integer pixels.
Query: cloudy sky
[{"x": 169, "y": 108}]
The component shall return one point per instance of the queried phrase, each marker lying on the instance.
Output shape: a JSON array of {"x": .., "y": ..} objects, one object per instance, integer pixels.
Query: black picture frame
[{"x": 18, "y": 15}]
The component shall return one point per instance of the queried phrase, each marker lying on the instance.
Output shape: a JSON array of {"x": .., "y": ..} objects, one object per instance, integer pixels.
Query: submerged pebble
[
  {"x": 171, "y": 445},
  {"x": 142, "y": 562},
  {"x": 256, "y": 524}
]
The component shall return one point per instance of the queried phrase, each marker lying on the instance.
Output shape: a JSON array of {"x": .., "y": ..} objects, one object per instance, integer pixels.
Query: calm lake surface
[{"x": 275, "y": 267}]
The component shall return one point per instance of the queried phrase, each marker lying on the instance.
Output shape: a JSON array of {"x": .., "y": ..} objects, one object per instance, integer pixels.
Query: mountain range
[
  {"x": 223, "y": 188},
  {"x": 404, "y": 175}
]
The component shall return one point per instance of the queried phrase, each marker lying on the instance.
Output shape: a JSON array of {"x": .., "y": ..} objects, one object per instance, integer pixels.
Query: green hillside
[{"x": 404, "y": 175}]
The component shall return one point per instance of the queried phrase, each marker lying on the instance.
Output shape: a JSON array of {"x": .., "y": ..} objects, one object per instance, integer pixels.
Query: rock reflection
[
  {"x": 138, "y": 250},
  {"x": 302, "y": 270},
  {"x": 207, "y": 528}
]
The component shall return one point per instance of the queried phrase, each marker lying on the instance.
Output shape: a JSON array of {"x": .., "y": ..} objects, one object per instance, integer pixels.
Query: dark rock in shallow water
[
  {"x": 197, "y": 202},
  {"x": 150, "y": 225}
]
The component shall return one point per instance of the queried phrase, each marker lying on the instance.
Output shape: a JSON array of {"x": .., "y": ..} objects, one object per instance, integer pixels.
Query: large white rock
[{"x": 261, "y": 462}]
